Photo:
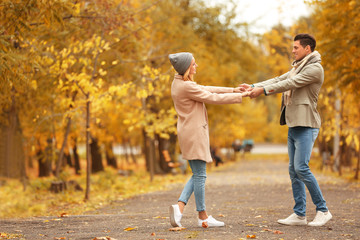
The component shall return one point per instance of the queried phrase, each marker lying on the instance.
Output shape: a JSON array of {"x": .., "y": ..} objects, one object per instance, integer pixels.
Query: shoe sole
[
  {"x": 172, "y": 217},
  {"x": 294, "y": 224},
  {"x": 319, "y": 225}
]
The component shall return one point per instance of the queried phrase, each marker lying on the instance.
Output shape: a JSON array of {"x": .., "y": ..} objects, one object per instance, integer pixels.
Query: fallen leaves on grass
[
  {"x": 130, "y": 228},
  {"x": 10, "y": 236},
  {"x": 175, "y": 229}
]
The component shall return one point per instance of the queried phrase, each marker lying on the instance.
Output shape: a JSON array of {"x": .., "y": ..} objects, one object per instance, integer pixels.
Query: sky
[{"x": 263, "y": 14}]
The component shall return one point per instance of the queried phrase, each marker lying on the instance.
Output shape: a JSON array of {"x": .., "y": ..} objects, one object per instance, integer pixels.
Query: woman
[{"x": 193, "y": 133}]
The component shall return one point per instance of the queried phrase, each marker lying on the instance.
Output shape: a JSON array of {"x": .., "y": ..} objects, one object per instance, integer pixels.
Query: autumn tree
[{"x": 339, "y": 44}]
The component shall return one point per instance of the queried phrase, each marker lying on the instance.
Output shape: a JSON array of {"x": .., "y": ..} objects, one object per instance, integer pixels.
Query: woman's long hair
[{"x": 187, "y": 76}]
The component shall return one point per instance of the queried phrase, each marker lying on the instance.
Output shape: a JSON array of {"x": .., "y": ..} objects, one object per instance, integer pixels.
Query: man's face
[{"x": 299, "y": 51}]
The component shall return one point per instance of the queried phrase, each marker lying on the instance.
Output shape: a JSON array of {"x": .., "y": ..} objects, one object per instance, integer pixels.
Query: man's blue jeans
[
  {"x": 195, "y": 184},
  {"x": 300, "y": 143}
]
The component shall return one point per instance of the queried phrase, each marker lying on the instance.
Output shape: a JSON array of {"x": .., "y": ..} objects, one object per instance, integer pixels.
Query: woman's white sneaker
[
  {"x": 175, "y": 215},
  {"x": 293, "y": 219},
  {"x": 211, "y": 222},
  {"x": 320, "y": 219}
]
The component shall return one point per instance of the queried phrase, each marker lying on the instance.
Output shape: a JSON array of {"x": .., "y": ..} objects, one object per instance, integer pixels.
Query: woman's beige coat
[{"x": 192, "y": 126}]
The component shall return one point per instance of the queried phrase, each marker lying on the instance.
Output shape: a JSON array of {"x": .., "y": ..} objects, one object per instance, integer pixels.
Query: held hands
[{"x": 250, "y": 91}]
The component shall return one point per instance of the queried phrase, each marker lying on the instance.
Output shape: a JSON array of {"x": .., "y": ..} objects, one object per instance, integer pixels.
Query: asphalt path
[{"x": 249, "y": 196}]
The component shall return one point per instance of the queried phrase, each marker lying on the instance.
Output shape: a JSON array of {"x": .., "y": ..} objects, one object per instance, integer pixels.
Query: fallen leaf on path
[
  {"x": 175, "y": 229},
  {"x": 221, "y": 215},
  {"x": 104, "y": 238},
  {"x": 250, "y": 225},
  {"x": 273, "y": 231},
  {"x": 59, "y": 238},
  {"x": 130, "y": 228},
  {"x": 258, "y": 216},
  {"x": 153, "y": 234},
  {"x": 64, "y": 215},
  {"x": 205, "y": 225},
  {"x": 250, "y": 236}
]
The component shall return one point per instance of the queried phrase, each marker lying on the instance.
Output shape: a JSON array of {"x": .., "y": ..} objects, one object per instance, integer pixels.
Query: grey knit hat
[{"x": 181, "y": 61}]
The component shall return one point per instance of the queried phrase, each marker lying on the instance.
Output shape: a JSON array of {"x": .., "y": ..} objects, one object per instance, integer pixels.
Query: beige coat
[
  {"x": 192, "y": 126},
  {"x": 305, "y": 88}
]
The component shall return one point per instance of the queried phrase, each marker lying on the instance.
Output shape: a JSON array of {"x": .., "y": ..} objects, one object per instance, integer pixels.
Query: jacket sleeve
[
  {"x": 198, "y": 93},
  {"x": 272, "y": 80},
  {"x": 310, "y": 74}
]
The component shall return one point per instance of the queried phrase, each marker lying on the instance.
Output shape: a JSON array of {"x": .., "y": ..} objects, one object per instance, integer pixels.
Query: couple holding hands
[{"x": 300, "y": 87}]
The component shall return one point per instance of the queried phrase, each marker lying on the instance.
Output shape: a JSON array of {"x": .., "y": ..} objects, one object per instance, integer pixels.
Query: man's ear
[{"x": 308, "y": 48}]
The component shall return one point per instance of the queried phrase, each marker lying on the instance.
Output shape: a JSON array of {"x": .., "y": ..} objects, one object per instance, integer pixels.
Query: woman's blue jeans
[
  {"x": 300, "y": 143},
  {"x": 195, "y": 184}
]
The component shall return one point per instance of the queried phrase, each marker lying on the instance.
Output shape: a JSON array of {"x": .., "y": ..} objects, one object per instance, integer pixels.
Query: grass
[{"x": 106, "y": 187}]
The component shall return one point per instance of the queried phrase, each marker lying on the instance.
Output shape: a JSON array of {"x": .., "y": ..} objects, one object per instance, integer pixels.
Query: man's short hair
[{"x": 306, "y": 39}]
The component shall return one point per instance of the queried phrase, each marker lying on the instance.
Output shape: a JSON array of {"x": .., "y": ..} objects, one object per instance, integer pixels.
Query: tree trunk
[
  {"x": 45, "y": 159},
  {"x": 146, "y": 151},
  {"x": 96, "y": 158},
  {"x": 12, "y": 159},
  {"x": 357, "y": 167},
  {"x": 76, "y": 158},
  {"x": 151, "y": 158},
  {"x": 59, "y": 162},
  {"x": 110, "y": 157},
  {"x": 133, "y": 157},
  {"x": 163, "y": 145},
  {"x": 88, "y": 156},
  {"x": 337, "y": 151}
]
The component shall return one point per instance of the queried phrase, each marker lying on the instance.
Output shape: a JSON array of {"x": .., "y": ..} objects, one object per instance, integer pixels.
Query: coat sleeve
[
  {"x": 214, "y": 89},
  {"x": 309, "y": 75},
  {"x": 272, "y": 80},
  {"x": 198, "y": 93}
]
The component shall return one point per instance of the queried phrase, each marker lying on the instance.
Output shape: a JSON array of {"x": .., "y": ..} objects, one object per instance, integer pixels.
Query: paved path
[{"x": 249, "y": 196}]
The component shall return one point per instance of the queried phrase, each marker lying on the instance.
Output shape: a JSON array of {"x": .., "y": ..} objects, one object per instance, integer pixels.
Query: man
[{"x": 300, "y": 87}]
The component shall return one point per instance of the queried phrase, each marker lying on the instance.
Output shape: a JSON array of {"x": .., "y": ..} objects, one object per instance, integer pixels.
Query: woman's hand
[
  {"x": 246, "y": 86},
  {"x": 239, "y": 90}
]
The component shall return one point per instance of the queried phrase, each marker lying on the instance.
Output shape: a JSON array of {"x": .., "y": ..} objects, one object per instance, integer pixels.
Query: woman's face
[{"x": 193, "y": 67}]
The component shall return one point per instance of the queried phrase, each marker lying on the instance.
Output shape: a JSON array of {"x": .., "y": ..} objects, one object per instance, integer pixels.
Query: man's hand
[{"x": 255, "y": 92}]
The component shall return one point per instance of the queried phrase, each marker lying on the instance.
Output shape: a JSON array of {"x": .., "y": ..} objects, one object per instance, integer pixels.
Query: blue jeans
[
  {"x": 195, "y": 184},
  {"x": 300, "y": 143}
]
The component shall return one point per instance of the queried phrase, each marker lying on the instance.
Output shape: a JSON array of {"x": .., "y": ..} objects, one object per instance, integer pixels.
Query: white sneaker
[
  {"x": 211, "y": 222},
  {"x": 175, "y": 215},
  {"x": 320, "y": 219},
  {"x": 293, "y": 219}
]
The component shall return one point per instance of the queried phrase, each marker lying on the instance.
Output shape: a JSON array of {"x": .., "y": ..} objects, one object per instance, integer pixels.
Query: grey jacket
[{"x": 305, "y": 88}]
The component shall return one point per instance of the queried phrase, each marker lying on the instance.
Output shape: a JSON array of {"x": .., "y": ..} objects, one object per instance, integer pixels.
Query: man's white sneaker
[
  {"x": 211, "y": 222},
  {"x": 175, "y": 215},
  {"x": 320, "y": 219},
  {"x": 293, "y": 219}
]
